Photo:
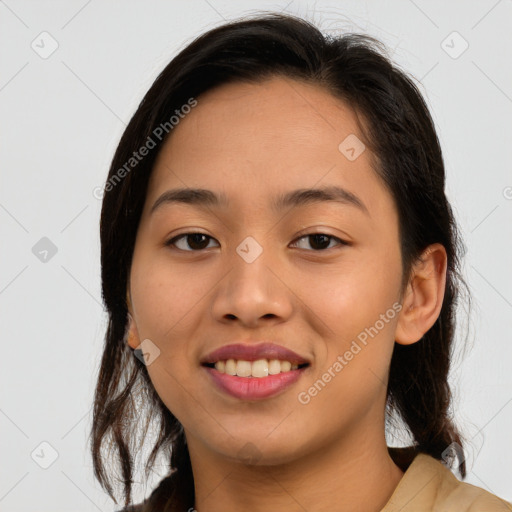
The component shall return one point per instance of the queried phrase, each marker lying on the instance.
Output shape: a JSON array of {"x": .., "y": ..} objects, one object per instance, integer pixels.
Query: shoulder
[
  {"x": 463, "y": 496},
  {"x": 428, "y": 484}
]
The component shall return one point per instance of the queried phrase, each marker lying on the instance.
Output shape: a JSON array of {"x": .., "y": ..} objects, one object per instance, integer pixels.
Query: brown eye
[
  {"x": 321, "y": 241},
  {"x": 196, "y": 241}
]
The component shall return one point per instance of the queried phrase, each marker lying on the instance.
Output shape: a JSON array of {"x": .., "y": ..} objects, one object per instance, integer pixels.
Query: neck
[{"x": 349, "y": 475}]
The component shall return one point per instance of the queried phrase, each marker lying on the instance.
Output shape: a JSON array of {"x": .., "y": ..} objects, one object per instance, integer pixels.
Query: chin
[{"x": 254, "y": 450}]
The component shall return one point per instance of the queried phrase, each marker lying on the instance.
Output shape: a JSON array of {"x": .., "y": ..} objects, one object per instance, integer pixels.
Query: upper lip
[{"x": 252, "y": 352}]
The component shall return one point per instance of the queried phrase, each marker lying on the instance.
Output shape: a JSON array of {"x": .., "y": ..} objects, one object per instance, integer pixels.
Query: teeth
[
  {"x": 230, "y": 366},
  {"x": 243, "y": 368},
  {"x": 259, "y": 368},
  {"x": 274, "y": 367}
]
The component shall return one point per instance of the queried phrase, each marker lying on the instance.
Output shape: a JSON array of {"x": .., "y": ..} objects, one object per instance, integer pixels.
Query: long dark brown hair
[{"x": 401, "y": 135}]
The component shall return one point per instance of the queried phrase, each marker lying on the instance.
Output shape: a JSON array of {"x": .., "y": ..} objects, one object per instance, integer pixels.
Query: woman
[{"x": 280, "y": 266}]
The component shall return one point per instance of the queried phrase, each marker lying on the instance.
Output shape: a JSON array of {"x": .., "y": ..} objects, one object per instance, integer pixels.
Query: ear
[
  {"x": 423, "y": 297},
  {"x": 132, "y": 337}
]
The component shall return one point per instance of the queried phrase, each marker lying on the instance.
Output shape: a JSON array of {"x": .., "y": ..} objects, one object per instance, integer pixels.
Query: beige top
[{"x": 428, "y": 485}]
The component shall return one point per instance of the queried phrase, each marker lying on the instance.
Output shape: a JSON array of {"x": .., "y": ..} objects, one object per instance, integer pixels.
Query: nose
[{"x": 254, "y": 293}]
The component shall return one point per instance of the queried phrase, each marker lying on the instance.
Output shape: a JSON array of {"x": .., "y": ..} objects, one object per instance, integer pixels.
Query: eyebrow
[{"x": 295, "y": 198}]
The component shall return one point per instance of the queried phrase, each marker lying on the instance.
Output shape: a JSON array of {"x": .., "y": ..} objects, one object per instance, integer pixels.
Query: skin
[{"x": 252, "y": 142}]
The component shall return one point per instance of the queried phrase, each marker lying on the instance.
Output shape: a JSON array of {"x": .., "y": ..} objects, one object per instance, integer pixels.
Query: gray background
[{"x": 62, "y": 117}]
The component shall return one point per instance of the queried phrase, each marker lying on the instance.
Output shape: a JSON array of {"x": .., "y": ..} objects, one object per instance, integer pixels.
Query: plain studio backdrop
[{"x": 72, "y": 74}]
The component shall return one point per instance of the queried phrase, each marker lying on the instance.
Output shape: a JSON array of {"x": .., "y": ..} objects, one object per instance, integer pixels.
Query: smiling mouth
[{"x": 259, "y": 368}]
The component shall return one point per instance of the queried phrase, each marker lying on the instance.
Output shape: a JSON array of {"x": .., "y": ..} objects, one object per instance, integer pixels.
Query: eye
[
  {"x": 194, "y": 240},
  {"x": 321, "y": 241},
  {"x": 198, "y": 241}
]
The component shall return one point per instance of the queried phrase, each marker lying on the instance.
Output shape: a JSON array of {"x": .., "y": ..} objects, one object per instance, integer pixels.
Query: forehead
[
  {"x": 274, "y": 115},
  {"x": 251, "y": 140}
]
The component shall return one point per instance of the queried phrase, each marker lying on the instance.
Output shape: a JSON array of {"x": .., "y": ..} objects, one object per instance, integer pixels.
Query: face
[{"x": 320, "y": 277}]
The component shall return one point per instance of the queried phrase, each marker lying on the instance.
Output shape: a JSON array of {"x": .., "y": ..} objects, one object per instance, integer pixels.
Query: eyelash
[{"x": 173, "y": 240}]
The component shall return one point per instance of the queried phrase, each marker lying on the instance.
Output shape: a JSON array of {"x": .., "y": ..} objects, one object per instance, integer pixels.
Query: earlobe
[
  {"x": 423, "y": 297},
  {"x": 132, "y": 337}
]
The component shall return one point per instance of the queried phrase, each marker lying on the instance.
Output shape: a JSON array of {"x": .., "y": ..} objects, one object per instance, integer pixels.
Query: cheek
[
  {"x": 351, "y": 295},
  {"x": 358, "y": 308},
  {"x": 177, "y": 390},
  {"x": 351, "y": 376},
  {"x": 167, "y": 306},
  {"x": 167, "y": 298}
]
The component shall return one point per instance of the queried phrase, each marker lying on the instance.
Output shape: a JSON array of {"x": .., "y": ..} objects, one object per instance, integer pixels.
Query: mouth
[
  {"x": 252, "y": 352},
  {"x": 254, "y": 380},
  {"x": 258, "y": 369},
  {"x": 253, "y": 371}
]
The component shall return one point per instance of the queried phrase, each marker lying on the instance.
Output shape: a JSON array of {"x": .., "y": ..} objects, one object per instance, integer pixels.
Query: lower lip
[{"x": 254, "y": 388}]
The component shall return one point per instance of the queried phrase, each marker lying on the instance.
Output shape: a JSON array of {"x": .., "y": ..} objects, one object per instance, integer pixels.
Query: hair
[{"x": 401, "y": 136}]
